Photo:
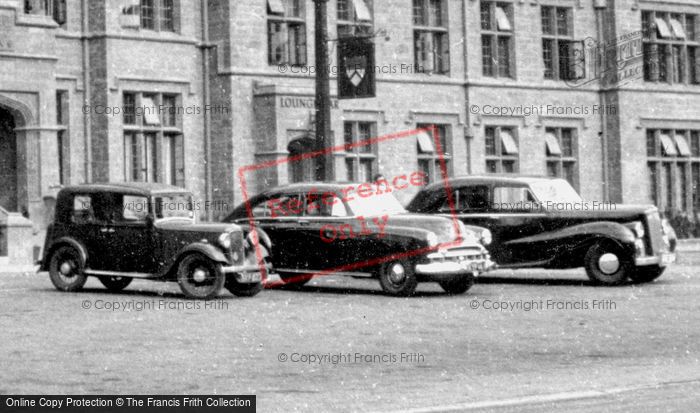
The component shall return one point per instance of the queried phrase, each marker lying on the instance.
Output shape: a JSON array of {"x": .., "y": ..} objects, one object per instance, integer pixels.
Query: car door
[
  {"x": 327, "y": 231},
  {"x": 85, "y": 228},
  {"x": 132, "y": 237},
  {"x": 123, "y": 235},
  {"x": 515, "y": 215}
]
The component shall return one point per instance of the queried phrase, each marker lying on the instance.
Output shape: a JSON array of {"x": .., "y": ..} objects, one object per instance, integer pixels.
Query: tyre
[
  {"x": 66, "y": 269},
  {"x": 607, "y": 263},
  {"x": 115, "y": 284},
  {"x": 294, "y": 280},
  {"x": 246, "y": 289},
  {"x": 199, "y": 277},
  {"x": 398, "y": 278},
  {"x": 646, "y": 274},
  {"x": 458, "y": 286}
]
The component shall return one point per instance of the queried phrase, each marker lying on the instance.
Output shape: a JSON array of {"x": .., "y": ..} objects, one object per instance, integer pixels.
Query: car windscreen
[
  {"x": 378, "y": 203},
  {"x": 174, "y": 206},
  {"x": 555, "y": 191}
]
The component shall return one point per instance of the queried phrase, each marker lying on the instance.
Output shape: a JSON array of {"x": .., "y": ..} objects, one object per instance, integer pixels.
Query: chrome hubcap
[
  {"x": 66, "y": 268},
  {"x": 609, "y": 263},
  {"x": 397, "y": 273},
  {"x": 199, "y": 275}
]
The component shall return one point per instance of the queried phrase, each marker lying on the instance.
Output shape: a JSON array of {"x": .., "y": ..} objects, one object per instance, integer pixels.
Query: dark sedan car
[
  {"x": 358, "y": 230},
  {"x": 543, "y": 222},
  {"x": 122, "y": 231}
]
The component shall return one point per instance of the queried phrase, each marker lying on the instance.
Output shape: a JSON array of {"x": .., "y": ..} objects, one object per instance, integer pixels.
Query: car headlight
[
  {"x": 225, "y": 240},
  {"x": 486, "y": 237},
  {"x": 432, "y": 239},
  {"x": 638, "y": 229}
]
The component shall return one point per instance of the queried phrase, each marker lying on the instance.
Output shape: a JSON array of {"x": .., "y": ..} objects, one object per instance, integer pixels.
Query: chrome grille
[{"x": 654, "y": 233}]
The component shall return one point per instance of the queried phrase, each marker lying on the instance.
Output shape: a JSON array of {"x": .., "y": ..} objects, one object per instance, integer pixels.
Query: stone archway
[{"x": 8, "y": 161}]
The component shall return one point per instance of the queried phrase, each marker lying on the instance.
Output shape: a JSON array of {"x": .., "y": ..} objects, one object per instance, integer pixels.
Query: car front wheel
[
  {"x": 458, "y": 286},
  {"x": 246, "y": 289},
  {"x": 199, "y": 277},
  {"x": 398, "y": 278},
  {"x": 646, "y": 274},
  {"x": 115, "y": 284},
  {"x": 607, "y": 263},
  {"x": 66, "y": 270}
]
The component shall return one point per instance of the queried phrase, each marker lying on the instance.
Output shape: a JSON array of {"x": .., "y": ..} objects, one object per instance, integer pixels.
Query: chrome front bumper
[
  {"x": 245, "y": 274},
  {"x": 662, "y": 260},
  {"x": 455, "y": 262}
]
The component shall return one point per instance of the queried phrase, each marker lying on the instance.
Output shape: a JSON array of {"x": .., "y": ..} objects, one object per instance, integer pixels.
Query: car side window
[
  {"x": 279, "y": 206},
  {"x": 324, "y": 206},
  {"x": 134, "y": 209},
  {"x": 468, "y": 199},
  {"x": 82, "y": 212},
  {"x": 512, "y": 199}
]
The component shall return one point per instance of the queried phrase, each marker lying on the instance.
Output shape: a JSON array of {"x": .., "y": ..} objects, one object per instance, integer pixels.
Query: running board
[{"x": 97, "y": 273}]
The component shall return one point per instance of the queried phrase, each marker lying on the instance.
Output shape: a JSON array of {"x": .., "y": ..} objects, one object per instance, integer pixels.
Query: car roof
[
  {"x": 316, "y": 186},
  {"x": 138, "y": 188},
  {"x": 507, "y": 179}
]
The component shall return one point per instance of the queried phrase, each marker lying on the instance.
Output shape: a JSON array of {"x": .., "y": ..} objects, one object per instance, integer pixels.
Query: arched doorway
[
  {"x": 8, "y": 162},
  {"x": 301, "y": 170}
]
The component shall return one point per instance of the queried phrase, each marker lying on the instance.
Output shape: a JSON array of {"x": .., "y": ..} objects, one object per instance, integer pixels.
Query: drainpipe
[
  {"x": 468, "y": 133},
  {"x": 206, "y": 97},
  {"x": 87, "y": 90},
  {"x": 600, "y": 6}
]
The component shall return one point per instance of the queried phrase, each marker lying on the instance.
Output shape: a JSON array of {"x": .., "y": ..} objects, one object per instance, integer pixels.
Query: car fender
[
  {"x": 413, "y": 238},
  {"x": 205, "y": 249},
  {"x": 589, "y": 230},
  {"x": 68, "y": 241},
  {"x": 263, "y": 239}
]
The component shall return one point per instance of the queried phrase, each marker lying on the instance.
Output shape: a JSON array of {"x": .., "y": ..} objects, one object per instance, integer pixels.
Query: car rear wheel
[
  {"x": 199, "y": 277},
  {"x": 458, "y": 286},
  {"x": 646, "y": 274},
  {"x": 115, "y": 283},
  {"x": 398, "y": 278},
  {"x": 247, "y": 289},
  {"x": 66, "y": 269},
  {"x": 607, "y": 263}
]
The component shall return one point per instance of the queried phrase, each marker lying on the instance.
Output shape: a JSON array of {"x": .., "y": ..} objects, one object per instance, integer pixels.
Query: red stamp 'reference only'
[{"x": 370, "y": 225}]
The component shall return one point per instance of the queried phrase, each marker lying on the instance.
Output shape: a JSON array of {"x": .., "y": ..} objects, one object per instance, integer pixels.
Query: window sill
[{"x": 36, "y": 20}]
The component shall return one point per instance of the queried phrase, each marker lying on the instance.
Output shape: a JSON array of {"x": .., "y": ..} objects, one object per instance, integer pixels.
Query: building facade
[{"x": 605, "y": 93}]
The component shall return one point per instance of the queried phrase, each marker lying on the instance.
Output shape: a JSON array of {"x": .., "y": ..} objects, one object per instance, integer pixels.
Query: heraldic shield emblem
[
  {"x": 356, "y": 78},
  {"x": 356, "y": 69}
]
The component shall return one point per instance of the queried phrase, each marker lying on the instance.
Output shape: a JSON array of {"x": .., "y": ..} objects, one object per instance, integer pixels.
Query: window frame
[
  {"x": 432, "y": 159},
  {"x": 431, "y": 38},
  {"x": 356, "y": 157},
  {"x": 674, "y": 178},
  {"x": 491, "y": 38},
  {"x": 286, "y": 23},
  {"x": 664, "y": 55},
  {"x": 163, "y": 159},
  {"x": 500, "y": 157},
  {"x": 563, "y": 159},
  {"x": 354, "y": 27}
]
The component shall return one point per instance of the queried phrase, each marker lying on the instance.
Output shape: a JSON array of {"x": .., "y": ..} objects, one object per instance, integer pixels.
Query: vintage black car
[
  {"x": 359, "y": 230},
  {"x": 543, "y": 222},
  {"x": 121, "y": 231}
]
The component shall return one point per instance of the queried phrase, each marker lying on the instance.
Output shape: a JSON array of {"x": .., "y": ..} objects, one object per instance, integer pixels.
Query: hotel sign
[
  {"x": 7, "y": 25},
  {"x": 356, "y": 69}
]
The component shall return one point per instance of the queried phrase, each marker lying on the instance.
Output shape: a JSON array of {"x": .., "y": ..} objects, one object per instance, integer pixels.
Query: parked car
[
  {"x": 322, "y": 228},
  {"x": 543, "y": 222},
  {"x": 118, "y": 232}
]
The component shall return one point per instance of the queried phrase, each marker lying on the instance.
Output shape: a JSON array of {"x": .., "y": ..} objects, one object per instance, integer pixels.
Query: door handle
[
  {"x": 109, "y": 230},
  {"x": 304, "y": 223}
]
